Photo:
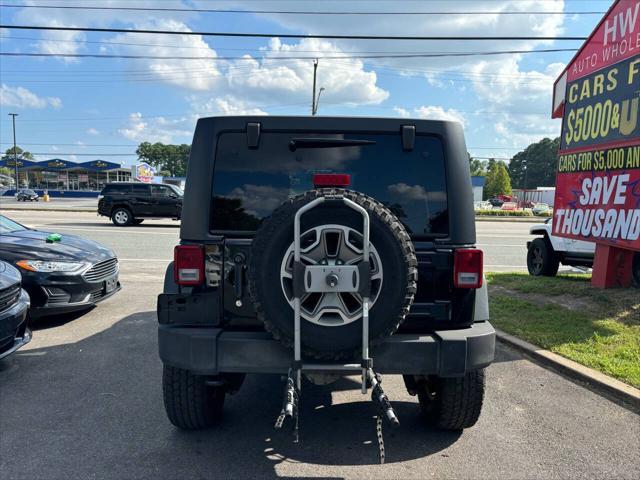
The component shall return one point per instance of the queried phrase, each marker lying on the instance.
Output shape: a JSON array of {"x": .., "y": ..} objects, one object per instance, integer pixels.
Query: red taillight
[
  {"x": 331, "y": 180},
  {"x": 188, "y": 264},
  {"x": 467, "y": 268}
]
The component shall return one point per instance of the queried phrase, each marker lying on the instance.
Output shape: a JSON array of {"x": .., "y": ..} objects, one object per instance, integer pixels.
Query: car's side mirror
[{"x": 173, "y": 195}]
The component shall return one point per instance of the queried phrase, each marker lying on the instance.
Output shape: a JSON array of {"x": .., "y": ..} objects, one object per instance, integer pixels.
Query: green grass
[
  {"x": 597, "y": 328},
  {"x": 505, "y": 213}
]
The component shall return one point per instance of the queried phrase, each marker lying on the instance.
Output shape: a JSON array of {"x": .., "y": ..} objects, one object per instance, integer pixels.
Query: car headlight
[{"x": 47, "y": 266}]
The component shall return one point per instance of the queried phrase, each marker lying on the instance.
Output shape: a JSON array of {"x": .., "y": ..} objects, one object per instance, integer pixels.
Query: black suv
[
  {"x": 321, "y": 247},
  {"x": 130, "y": 203}
]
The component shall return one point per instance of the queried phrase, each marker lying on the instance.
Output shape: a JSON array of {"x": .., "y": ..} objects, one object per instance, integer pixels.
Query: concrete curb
[{"x": 595, "y": 380}]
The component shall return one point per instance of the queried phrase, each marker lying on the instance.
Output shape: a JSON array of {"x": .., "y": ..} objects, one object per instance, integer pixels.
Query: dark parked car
[
  {"x": 61, "y": 273},
  {"x": 496, "y": 202},
  {"x": 26, "y": 194},
  {"x": 14, "y": 305},
  {"x": 130, "y": 203},
  {"x": 321, "y": 247}
]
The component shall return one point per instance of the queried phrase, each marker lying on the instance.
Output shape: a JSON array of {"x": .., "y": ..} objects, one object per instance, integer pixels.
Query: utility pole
[
  {"x": 15, "y": 149},
  {"x": 315, "y": 100},
  {"x": 313, "y": 94}
]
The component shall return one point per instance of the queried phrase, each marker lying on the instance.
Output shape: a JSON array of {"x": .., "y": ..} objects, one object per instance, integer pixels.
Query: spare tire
[{"x": 331, "y": 323}]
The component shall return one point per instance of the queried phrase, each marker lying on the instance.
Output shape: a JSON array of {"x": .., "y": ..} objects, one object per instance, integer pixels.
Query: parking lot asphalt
[{"x": 84, "y": 400}]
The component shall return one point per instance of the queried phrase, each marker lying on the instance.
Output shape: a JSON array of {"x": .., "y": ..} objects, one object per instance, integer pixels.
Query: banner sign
[
  {"x": 616, "y": 38},
  {"x": 603, "y": 107},
  {"x": 598, "y": 172},
  {"x": 144, "y": 172}
]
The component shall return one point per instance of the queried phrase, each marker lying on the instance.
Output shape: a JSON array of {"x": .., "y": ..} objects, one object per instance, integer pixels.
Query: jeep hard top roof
[{"x": 250, "y": 133}]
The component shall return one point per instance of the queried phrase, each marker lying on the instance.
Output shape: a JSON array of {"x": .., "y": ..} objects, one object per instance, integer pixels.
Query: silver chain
[
  {"x": 380, "y": 439},
  {"x": 280, "y": 420}
]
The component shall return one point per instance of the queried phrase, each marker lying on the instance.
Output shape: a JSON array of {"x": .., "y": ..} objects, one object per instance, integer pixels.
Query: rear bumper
[
  {"x": 14, "y": 331},
  {"x": 209, "y": 351}
]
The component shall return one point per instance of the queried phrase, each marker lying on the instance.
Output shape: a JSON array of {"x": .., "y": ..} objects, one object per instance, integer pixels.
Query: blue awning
[
  {"x": 57, "y": 164},
  {"x": 98, "y": 165},
  {"x": 10, "y": 163}
]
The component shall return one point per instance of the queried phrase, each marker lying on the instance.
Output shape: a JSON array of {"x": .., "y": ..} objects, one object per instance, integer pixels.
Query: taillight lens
[
  {"x": 188, "y": 264},
  {"x": 331, "y": 180},
  {"x": 467, "y": 268}
]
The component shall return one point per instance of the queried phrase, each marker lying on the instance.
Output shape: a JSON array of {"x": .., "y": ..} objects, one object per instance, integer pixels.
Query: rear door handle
[{"x": 238, "y": 277}]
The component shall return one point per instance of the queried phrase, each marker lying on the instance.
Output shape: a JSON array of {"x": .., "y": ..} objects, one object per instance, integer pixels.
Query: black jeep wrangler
[{"x": 321, "y": 247}]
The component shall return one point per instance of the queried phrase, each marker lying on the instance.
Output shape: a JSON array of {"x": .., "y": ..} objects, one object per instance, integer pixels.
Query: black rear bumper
[
  {"x": 210, "y": 350},
  {"x": 14, "y": 331}
]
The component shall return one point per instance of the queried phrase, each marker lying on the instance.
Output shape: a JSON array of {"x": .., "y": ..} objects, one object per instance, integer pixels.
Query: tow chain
[
  {"x": 290, "y": 407},
  {"x": 380, "y": 438}
]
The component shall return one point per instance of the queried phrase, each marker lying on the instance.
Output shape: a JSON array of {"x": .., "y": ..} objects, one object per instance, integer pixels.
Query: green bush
[
  {"x": 546, "y": 214},
  {"x": 505, "y": 213}
]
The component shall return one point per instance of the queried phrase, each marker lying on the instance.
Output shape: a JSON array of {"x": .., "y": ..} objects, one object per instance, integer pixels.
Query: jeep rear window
[{"x": 248, "y": 184}]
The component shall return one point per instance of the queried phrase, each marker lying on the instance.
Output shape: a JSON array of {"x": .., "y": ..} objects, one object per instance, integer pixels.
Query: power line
[
  {"x": 288, "y": 35},
  {"x": 75, "y": 144},
  {"x": 136, "y": 145},
  {"x": 342, "y": 57},
  {"x": 98, "y": 42},
  {"x": 301, "y": 12},
  {"x": 98, "y": 155}
]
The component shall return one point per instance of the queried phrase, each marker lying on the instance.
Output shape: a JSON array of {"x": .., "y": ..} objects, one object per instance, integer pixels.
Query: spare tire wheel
[{"x": 331, "y": 323}]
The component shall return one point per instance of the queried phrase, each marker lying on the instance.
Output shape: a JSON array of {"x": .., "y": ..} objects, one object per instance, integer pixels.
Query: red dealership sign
[{"x": 597, "y": 96}]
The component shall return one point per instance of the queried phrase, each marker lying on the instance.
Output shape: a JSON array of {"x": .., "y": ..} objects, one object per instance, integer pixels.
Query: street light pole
[
  {"x": 15, "y": 149},
  {"x": 318, "y": 100},
  {"x": 313, "y": 93}
]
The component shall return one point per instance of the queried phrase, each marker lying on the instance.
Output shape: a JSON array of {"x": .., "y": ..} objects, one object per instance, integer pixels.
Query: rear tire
[
  {"x": 452, "y": 403},
  {"x": 397, "y": 259},
  {"x": 121, "y": 217},
  {"x": 190, "y": 403},
  {"x": 542, "y": 260}
]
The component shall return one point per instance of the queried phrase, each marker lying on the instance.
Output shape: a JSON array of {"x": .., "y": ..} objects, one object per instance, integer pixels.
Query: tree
[
  {"x": 498, "y": 181},
  {"x": 22, "y": 154},
  {"x": 165, "y": 157},
  {"x": 535, "y": 166},
  {"x": 478, "y": 167}
]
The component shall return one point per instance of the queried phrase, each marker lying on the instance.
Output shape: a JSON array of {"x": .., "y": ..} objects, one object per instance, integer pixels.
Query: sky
[{"x": 88, "y": 108}]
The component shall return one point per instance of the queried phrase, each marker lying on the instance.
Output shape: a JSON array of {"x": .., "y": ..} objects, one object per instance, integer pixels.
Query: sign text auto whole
[{"x": 598, "y": 175}]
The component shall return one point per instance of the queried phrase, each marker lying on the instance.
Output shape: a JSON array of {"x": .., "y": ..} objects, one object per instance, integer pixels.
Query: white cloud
[
  {"x": 409, "y": 192},
  {"x": 93, "y": 131},
  {"x": 402, "y": 112},
  {"x": 345, "y": 81},
  {"x": 202, "y": 75},
  {"x": 156, "y": 129},
  {"x": 20, "y": 97},
  {"x": 429, "y": 112},
  {"x": 61, "y": 43},
  {"x": 228, "y": 105}
]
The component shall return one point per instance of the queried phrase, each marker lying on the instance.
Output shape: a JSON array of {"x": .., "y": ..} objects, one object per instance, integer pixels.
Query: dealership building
[{"x": 63, "y": 177}]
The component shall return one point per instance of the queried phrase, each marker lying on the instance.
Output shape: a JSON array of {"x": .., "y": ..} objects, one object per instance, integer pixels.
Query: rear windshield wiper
[{"x": 296, "y": 143}]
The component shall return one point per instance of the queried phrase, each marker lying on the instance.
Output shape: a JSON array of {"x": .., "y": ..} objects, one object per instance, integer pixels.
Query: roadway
[
  {"x": 84, "y": 400},
  {"x": 504, "y": 243}
]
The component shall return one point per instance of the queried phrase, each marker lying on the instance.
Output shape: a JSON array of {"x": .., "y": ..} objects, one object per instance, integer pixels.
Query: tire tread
[
  {"x": 284, "y": 212},
  {"x": 190, "y": 403}
]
